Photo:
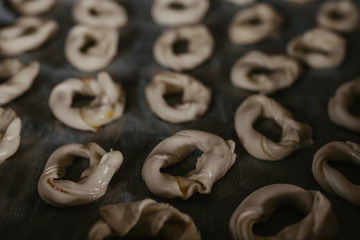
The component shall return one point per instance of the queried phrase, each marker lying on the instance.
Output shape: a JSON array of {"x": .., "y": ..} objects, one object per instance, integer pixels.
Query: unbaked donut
[
  {"x": 318, "y": 48},
  {"x": 319, "y": 223},
  {"x": 91, "y": 49},
  {"x": 179, "y": 12},
  {"x": 143, "y": 219},
  {"x": 294, "y": 135},
  {"x": 10, "y": 128},
  {"x": 32, "y": 7},
  {"x": 339, "y": 105},
  {"x": 107, "y": 106},
  {"x": 93, "y": 181},
  {"x": 241, "y": 2},
  {"x": 217, "y": 158},
  {"x": 257, "y": 71},
  {"x": 102, "y": 14},
  {"x": 253, "y": 24},
  {"x": 195, "y": 99},
  {"x": 26, "y": 34},
  {"x": 197, "y": 44},
  {"x": 19, "y": 78},
  {"x": 341, "y": 16}
]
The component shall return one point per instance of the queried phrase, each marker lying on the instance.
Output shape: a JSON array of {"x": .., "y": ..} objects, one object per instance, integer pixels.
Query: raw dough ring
[
  {"x": 319, "y": 222},
  {"x": 200, "y": 47},
  {"x": 103, "y": 47},
  {"x": 10, "y": 129},
  {"x": 253, "y": 24},
  {"x": 19, "y": 78},
  {"x": 282, "y": 72},
  {"x": 107, "y": 106},
  {"x": 217, "y": 158},
  {"x": 295, "y": 135},
  {"x": 143, "y": 219},
  {"x": 341, "y": 16},
  {"x": 93, "y": 181},
  {"x": 179, "y": 12},
  {"x": 338, "y": 107},
  {"x": 241, "y": 2},
  {"x": 105, "y": 13},
  {"x": 319, "y": 48},
  {"x": 26, "y": 34},
  {"x": 195, "y": 100},
  {"x": 331, "y": 179},
  {"x": 33, "y": 7}
]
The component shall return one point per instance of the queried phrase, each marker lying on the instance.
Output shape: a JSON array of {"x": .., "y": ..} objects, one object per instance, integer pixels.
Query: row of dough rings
[
  {"x": 257, "y": 71},
  {"x": 341, "y": 16},
  {"x": 241, "y": 2},
  {"x": 294, "y": 135},
  {"x": 254, "y": 24},
  {"x": 26, "y": 34},
  {"x": 179, "y": 12},
  {"x": 217, "y": 158},
  {"x": 33, "y": 7},
  {"x": 339, "y": 105},
  {"x": 100, "y": 14},
  {"x": 318, "y": 48},
  {"x": 143, "y": 219},
  {"x": 10, "y": 128},
  {"x": 107, "y": 106},
  {"x": 195, "y": 98},
  {"x": 319, "y": 222},
  {"x": 19, "y": 78},
  {"x": 329, "y": 178},
  {"x": 93, "y": 181},
  {"x": 199, "y": 46}
]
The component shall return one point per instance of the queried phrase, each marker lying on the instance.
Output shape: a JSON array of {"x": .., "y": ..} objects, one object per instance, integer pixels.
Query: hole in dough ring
[
  {"x": 294, "y": 135},
  {"x": 107, "y": 106},
  {"x": 331, "y": 179},
  {"x": 195, "y": 100},
  {"x": 319, "y": 222},
  {"x": 217, "y": 158},
  {"x": 10, "y": 129},
  {"x": 318, "y": 48},
  {"x": 105, "y": 13},
  {"x": 19, "y": 78},
  {"x": 93, "y": 181},
  {"x": 190, "y": 12},
  {"x": 253, "y": 24},
  {"x": 26, "y": 34},
  {"x": 143, "y": 219},
  {"x": 283, "y": 71},
  {"x": 97, "y": 56},
  {"x": 338, "y": 107},
  {"x": 32, "y": 7},
  {"x": 200, "y": 47}
]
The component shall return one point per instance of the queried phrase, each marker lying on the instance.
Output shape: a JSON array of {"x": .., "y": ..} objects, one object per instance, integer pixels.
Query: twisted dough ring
[
  {"x": 329, "y": 178},
  {"x": 217, "y": 158},
  {"x": 179, "y": 12},
  {"x": 338, "y": 107},
  {"x": 93, "y": 181},
  {"x": 143, "y": 219},
  {"x": 294, "y": 134},
  {"x": 105, "y": 13},
  {"x": 320, "y": 222},
  {"x": 241, "y": 2},
  {"x": 341, "y": 16},
  {"x": 254, "y": 24},
  {"x": 10, "y": 128},
  {"x": 200, "y": 47},
  {"x": 19, "y": 78},
  {"x": 319, "y": 48},
  {"x": 107, "y": 106},
  {"x": 26, "y": 34},
  {"x": 33, "y": 7},
  {"x": 282, "y": 72},
  {"x": 195, "y": 100},
  {"x": 91, "y": 49}
]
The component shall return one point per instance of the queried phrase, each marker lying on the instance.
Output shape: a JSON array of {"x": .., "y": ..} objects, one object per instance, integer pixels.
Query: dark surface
[{"x": 23, "y": 214}]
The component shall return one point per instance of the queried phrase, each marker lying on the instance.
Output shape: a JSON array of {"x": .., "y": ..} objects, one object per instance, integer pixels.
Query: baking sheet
[{"x": 23, "y": 214}]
